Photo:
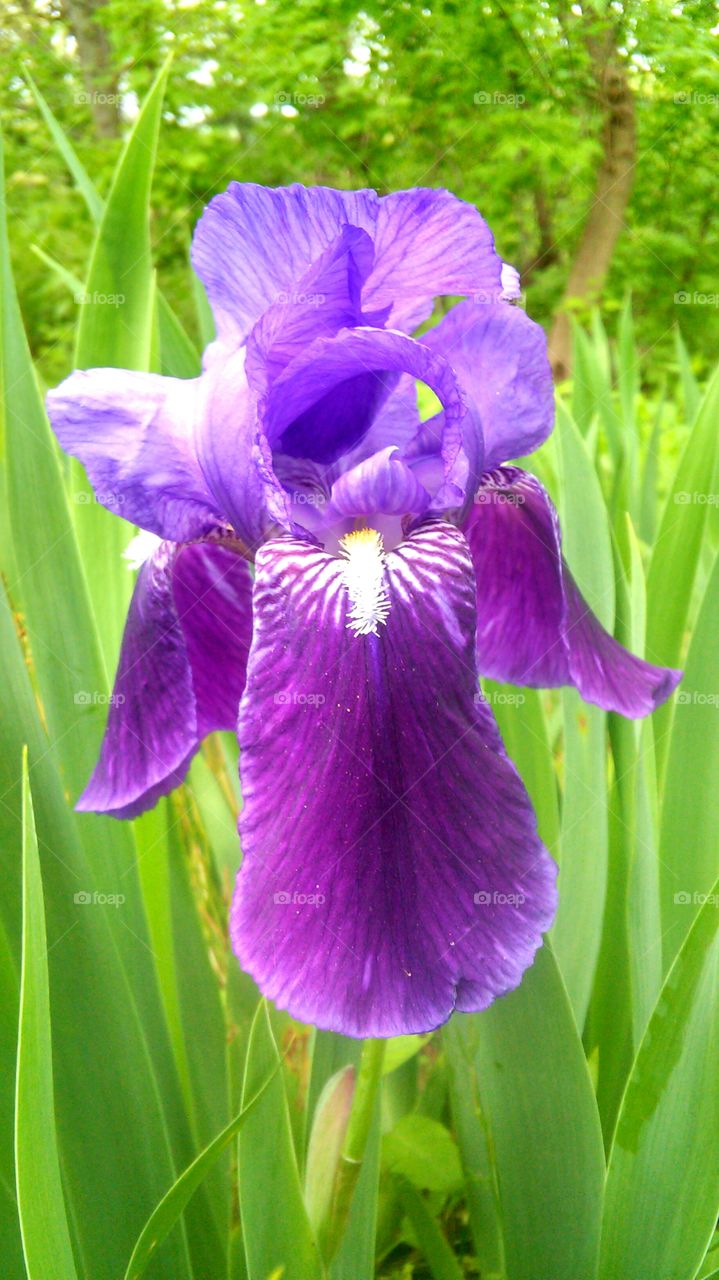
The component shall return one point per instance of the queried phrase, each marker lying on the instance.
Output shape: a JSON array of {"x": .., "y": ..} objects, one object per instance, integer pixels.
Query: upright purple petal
[
  {"x": 533, "y": 625},
  {"x": 325, "y": 401},
  {"x": 326, "y": 299},
  {"x": 254, "y": 243},
  {"x": 428, "y": 243},
  {"x": 392, "y": 870},
  {"x": 180, "y": 676},
  {"x": 134, "y": 433},
  {"x": 500, "y": 358}
]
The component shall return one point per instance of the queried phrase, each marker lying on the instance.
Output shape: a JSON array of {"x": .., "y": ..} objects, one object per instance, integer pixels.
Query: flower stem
[{"x": 369, "y": 1075}]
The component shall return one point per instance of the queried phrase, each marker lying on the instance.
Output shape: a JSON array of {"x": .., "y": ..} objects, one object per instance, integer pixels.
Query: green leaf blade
[{"x": 41, "y": 1206}]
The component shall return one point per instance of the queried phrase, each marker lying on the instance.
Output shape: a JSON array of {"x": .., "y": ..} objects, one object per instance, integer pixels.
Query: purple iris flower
[{"x": 392, "y": 870}]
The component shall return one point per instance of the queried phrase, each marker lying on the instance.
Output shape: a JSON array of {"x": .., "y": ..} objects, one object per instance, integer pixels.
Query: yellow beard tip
[{"x": 359, "y": 538}]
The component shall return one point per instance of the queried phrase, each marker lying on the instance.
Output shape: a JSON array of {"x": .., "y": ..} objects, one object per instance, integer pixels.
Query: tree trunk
[
  {"x": 98, "y": 73},
  {"x": 613, "y": 187},
  {"x": 547, "y": 248}
]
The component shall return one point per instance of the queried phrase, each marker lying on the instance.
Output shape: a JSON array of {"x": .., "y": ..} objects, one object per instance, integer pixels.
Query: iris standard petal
[
  {"x": 500, "y": 358},
  {"x": 134, "y": 434},
  {"x": 428, "y": 243},
  {"x": 325, "y": 300},
  {"x": 255, "y": 243},
  {"x": 325, "y": 401},
  {"x": 392, "y": 869},
  {"x": 180, "y": 675},
  {"x": 533, "y": 625}
]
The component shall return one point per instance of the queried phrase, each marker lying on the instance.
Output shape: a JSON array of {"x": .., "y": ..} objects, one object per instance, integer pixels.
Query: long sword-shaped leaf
[
  {"x": 43, "y": 1221},
  {"x": 168, "y": 1211},
  {"x": 689, "y": 847},
  {"x": 280, "y": 1242},
  {"x": 116, "y": 329},
  {"x": 107, "y": 1092},
  {"x": 178, "y": 355},
  {"x": 111, "y": 1030},
  {"x": 583, "y": 838},
  {"x": 677, "y": 550},
  {"x": 662, "y": 1193},
  {"x": 544, "y": 1133}
]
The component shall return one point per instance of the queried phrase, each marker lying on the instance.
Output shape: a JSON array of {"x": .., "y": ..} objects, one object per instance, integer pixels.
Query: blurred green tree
[{"x": 582, "y": 132}]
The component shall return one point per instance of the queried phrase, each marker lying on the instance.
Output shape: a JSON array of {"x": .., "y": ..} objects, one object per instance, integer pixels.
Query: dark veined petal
[
  {"x": 500, "y": 358},
  {"x": 392, "y": 869},
  {"x": 253, "y": 244},
  {"x": 180, "y": 675},
  {"x": 533, "y": 625},
  {"x": 134, "y": 433},
  {"x": 428, "y": 243}
]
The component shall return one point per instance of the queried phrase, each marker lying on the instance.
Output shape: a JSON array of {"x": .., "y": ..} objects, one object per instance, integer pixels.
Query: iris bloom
[{"x": 392, "y": 870}]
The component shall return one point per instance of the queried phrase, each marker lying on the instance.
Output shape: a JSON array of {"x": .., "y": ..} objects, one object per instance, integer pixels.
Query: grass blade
[
  {"x": 280, "y": 1243},
  {"x": 663, "y": 1182},
  {"x": 689, "y": 848},
  {"x": 168, "y": 1211},
  {"x": 41, "y": 1206},
  {"x": 439, "y": 1257},
  {"x": 533, "y": 1079}
]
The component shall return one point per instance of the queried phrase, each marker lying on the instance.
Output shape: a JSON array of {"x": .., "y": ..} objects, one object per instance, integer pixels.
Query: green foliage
[{"x": 496, "y": 102}]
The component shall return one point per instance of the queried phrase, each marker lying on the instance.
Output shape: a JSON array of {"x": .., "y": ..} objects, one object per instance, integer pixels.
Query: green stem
[{"x": 353, "y": 1147}]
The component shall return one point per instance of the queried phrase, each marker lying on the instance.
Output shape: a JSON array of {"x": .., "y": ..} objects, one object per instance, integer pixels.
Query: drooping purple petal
[
  {"x": 180, "y": 675},
  {"x": 134, "y": 433},
  {"x": 428, "y": 243},
  {"x": 500, "y": 358},
  {"x": 392, "y": 870},
  {"x": 533, "y": 625},
  {"x": 253, "y": 244}
]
